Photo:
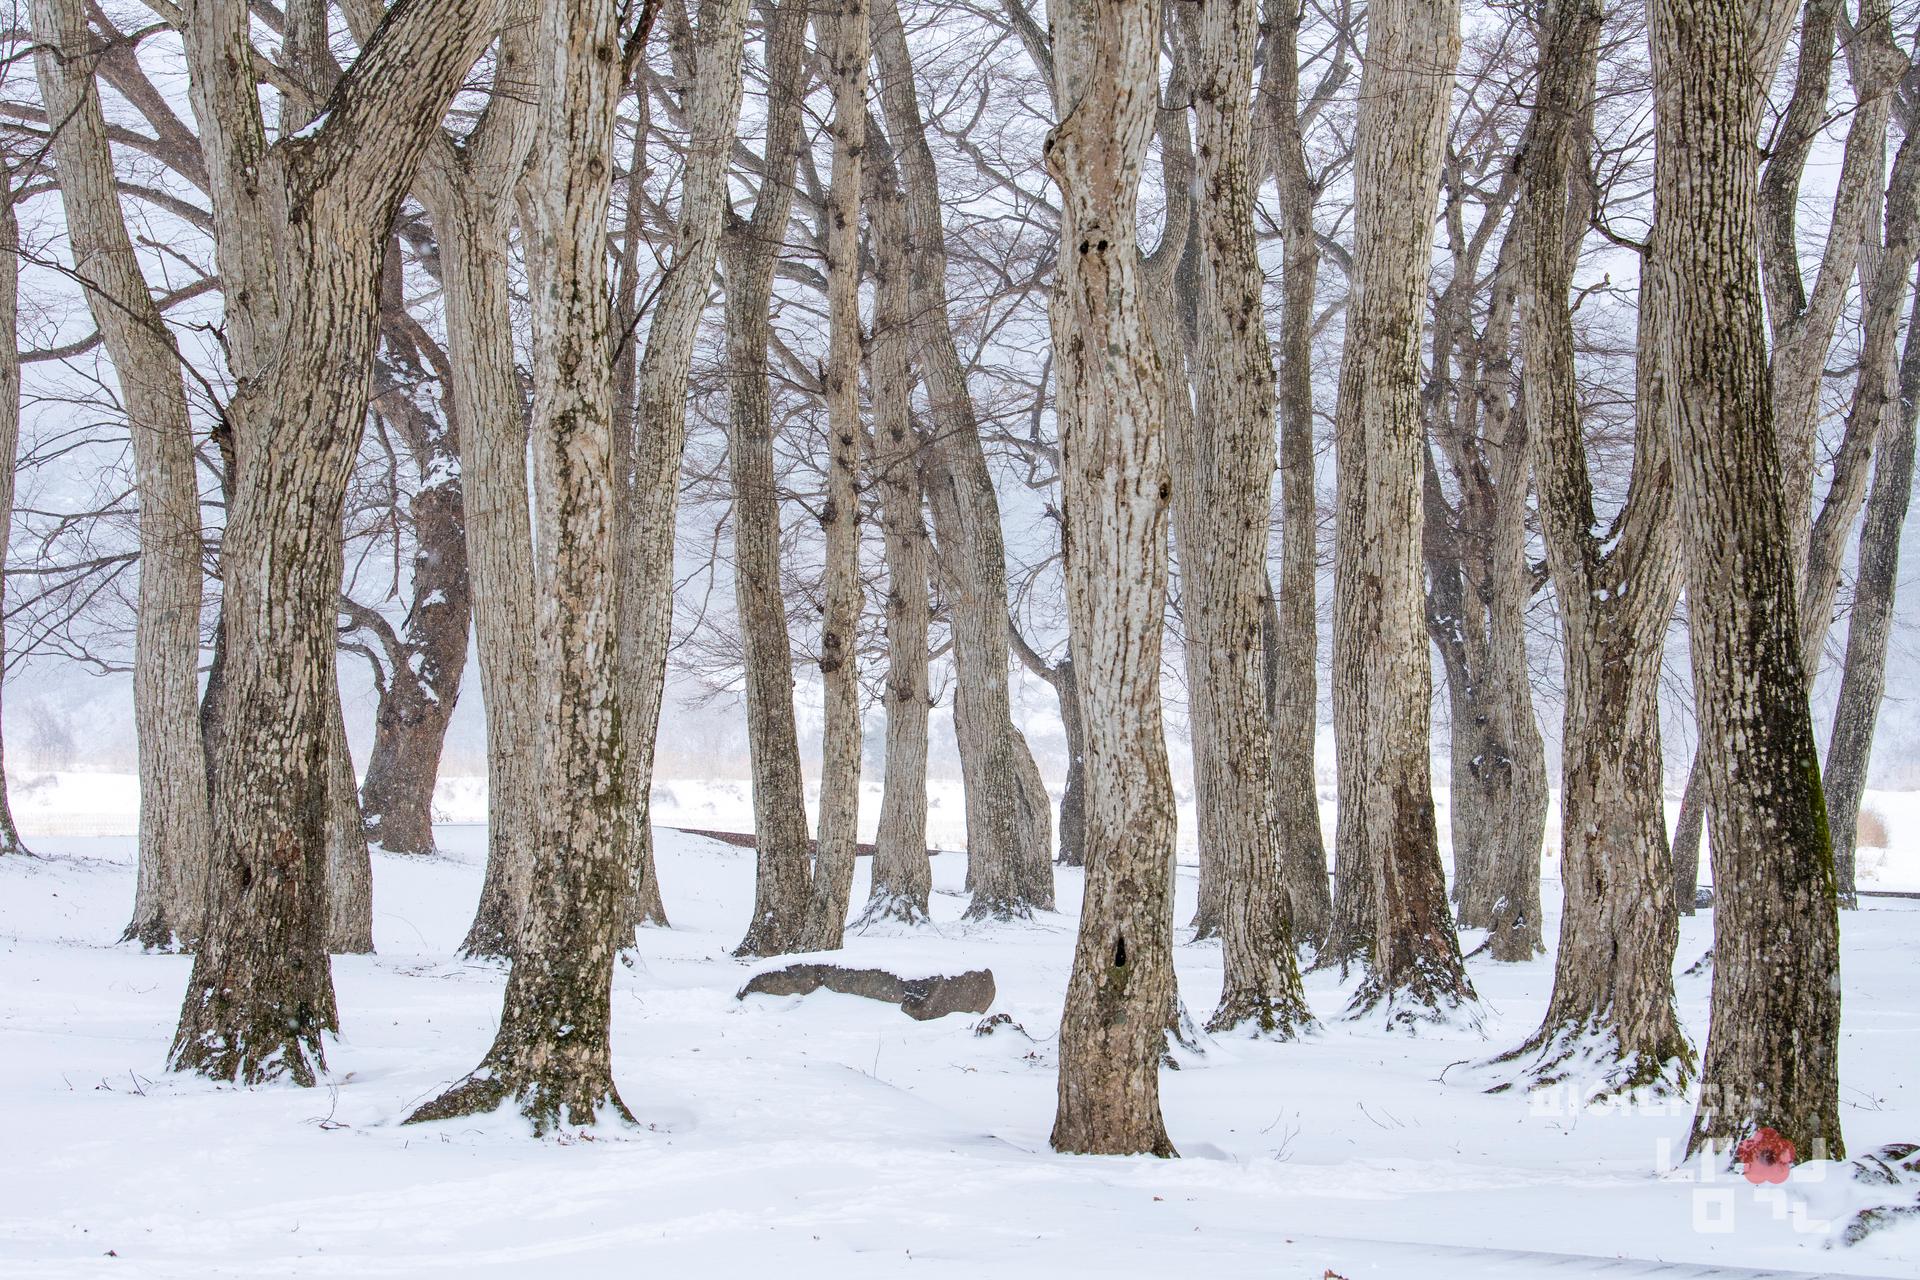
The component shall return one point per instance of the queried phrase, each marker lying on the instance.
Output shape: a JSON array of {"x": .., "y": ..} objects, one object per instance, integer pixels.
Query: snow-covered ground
[{"x": 828, "y": 1135}]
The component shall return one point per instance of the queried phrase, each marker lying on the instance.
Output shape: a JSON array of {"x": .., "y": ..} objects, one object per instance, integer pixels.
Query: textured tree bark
[
  {"x": 1382, "y": 684},
  {"x": 300, "y": 227},
  {"x": 1869, "y": 624},
  {"x": 1224, "y": 459},
  {"x": 10, "y": 841},
  {"x": 1114, "y": 474},
  {"x": 1294, "y": 628},
  {"x": 175, "y": 824},
  {"x": 844, "y": 41},
  {"x": 467, "y": 190},
  {"x": 652, "y": 500},
  {"x": 349, "y": 862},
  {"x": 551, "y": 1057},
  {"x": 1610, "y": 1024},
  {"x": 902, "y": 873},
  {"x": 782, "y": 866},
  {"x": 1773, "y": 1040},
  {"x": 1008, "y": 836},
  {"x": 1687, "y": 828}
]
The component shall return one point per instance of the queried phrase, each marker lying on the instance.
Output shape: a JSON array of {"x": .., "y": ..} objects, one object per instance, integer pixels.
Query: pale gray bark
[
  {"x": 300, "y": 230},
  {"x": 1773, "y": 1040},
  {"x": 1381, "y": 681},
  {"x": 10, "y": 841},
  {"x": 551, "y": 1057},
  {"x": 1116, "y": 485},
  {"x": 843, "y": 38},
  {"x": 175, "y": 825}
]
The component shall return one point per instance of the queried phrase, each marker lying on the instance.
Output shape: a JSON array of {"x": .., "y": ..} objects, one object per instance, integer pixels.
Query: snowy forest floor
[{"x": 828, "y": 1135}]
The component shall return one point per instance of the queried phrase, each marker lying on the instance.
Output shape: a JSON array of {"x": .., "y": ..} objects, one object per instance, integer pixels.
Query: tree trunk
[
  {"x": 1073, "y": 794},
  {"x": 9, "y": 434},
  {"x": 1382, "y": 684},
  {"x": 844, "y": 40},
  {"x": 300, "y": 228},
  {"x": 651, "y": 503},
  {"x": 1687, "y": 829},
  {"x": 349, "y": 862},
  {"x": 1611, "y": 1020},
  {"x": 1113, "y": 1030},
  {"x": 551, "y": 1057},
  {"x": 1223, "y": 493},
  {"x": 1773, "y": 1041},
  {"x": 782, "y": 868},
  {"x": 175, "y": 826},
  {"x": 1294, "y": 626},
  {"x": 1008, "y": 839},
  {"x": 902, "y": 872}
]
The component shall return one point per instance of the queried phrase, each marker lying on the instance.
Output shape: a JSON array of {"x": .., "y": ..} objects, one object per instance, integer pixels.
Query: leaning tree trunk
[
  {"x": 467, "y": 190},
  {"x": 175, "y": 827},
  {"x": 782, "y": 868},
  {"x": 902, "y": 873},
  {"x": 1114, "y": 476},
  {"x": 844, "y": 37},
  {"x": 552, "y": 1057},
  {"x": 1611, "y": 1023},
  {"x": 1382, "y": 684},
  {"x": 1772, "y": 1046},
  {"x": 660, "y": 428},
  {"x": 1294, "y": 625},
  {"x": 1223, "y": 495},
  {"x": 300, "y": 229},
  {"x": 9, "y": 433},
  {"x": 1008, "y": 836}
]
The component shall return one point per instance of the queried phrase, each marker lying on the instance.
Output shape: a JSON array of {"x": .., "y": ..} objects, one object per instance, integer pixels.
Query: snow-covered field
[{"x": 827, "y": 1135}]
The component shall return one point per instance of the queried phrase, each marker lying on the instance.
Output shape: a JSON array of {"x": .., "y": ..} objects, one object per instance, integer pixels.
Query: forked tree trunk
[
  {"x": 175, "y": 826},
  {"x": 1772, "y": 1046},
  {"x": 1611, "y": 1024},
  {"x": 300, "y": 229},
  {"x": 551, "y": 1057},
  {"x": 468, "y": 193},
  {"x": 1293, "y": 622},
  {"x": 1223, "y": 493},
  {"x": 902, "y": 873},
  {"x": 1008, "y": 824},
  {"x": 843, "y": 37},
  {"x": 660, "y": 429},
  {"x": 1382, "y": 684},
  {"x": 782, "y": 863},
  {"x": 1114, "y": 474},
  {"x": 9, "y": 433}
]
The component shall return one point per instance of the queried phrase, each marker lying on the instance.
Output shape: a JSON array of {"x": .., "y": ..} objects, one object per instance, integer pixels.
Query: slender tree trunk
[
  {"x": 1294, "y": 626},
  {"x": 301, "y": 302},
  {"x": 1114, "y": 474},
  {"x": 1773, "y": 1041},
  {"x": 175, "y": 826},
  {"x": 1869, "y": 625},
  {"x": 1223, "y": 494},
  {"x": 782, "y": 867},
  {"x": 1687, "y": 829},
  {"x": 10, "y": 841},
  {"x": 349, "y": 862},
  {"x": 1382, "y": 685},
  {"x": 660, "y": 430},
  {"x": 551, "y": 1057},
  {"x": 1008, "y": 836},
  {"x": 1611, "y": 1022},
  {"x": 844, "y": 40},
  {"x": 902, "y": 872}
]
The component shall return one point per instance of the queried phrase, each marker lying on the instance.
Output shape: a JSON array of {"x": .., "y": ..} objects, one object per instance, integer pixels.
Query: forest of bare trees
[{"x": 1535, "y": 384}]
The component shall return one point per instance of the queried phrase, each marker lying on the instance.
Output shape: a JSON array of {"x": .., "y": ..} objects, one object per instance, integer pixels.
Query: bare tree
[
  {"x": 1381, "y": 681},
  {"x": 10, "y": 841},
  {"x": 175, "y": 827},
  {"x": 1773, "y": 1041},
  {"x": 1114, "y": 473},
  {"x": 551, "y": 1057}
]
